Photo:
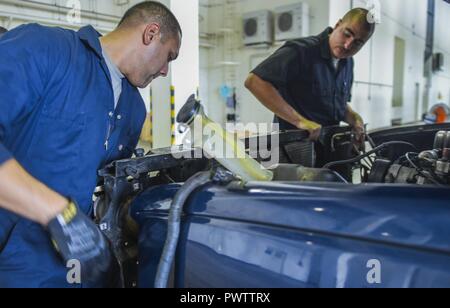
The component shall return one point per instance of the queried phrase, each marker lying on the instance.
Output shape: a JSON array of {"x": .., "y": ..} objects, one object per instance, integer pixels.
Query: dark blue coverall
[{"x": 56, "y": 109}]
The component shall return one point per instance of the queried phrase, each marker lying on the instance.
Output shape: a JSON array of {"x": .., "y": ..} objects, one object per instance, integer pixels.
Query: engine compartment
[
  {"x": 399, "y": 162},
  {"x": 394, "y": 156}
]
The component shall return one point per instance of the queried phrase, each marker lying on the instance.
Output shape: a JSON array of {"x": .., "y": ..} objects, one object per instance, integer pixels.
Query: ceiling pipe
[
  {"x": 49, "y": 21},
  {"x": 61, "y": 10},
  {"x": 65, "y": 7}
]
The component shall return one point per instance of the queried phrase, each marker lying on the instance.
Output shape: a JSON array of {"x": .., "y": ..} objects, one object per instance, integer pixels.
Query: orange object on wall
[
  {"x": 441, "y": 115},
  {"x": 441, "y": 112}
]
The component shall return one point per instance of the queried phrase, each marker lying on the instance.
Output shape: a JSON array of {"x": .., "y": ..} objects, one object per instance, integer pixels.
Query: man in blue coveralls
[{"x": 69, "y": 104}]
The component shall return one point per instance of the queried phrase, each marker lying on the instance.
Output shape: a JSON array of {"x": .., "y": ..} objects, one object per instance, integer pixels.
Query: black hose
[
  {"x": 420, "y": 170},
  {"x": 173, "y": 232},
  {"x": 372, "y": 143},
  {"x": 356, "y": 159}
]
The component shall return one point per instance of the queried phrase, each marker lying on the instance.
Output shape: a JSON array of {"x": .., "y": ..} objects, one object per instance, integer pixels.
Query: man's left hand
[
  {"x": 76, "y": 237},
  {"x": 359, "y": 130}
]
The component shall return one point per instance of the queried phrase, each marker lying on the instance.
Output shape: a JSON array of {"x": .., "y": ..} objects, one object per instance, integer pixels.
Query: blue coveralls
[{"x": 56, "y": 105}]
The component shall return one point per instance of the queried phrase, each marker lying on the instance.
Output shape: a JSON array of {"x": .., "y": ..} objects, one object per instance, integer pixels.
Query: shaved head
[
  {"x": 359, "y": 16},
  {"x": 351, "y": 33},
  {"x": 152, "y": 12}
]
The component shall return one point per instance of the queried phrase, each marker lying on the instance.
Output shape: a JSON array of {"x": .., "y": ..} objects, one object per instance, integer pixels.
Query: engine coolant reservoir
[{"x": 220, "y": 144}]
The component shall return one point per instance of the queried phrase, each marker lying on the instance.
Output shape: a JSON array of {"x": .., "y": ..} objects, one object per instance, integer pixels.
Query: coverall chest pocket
[
  {"x": 321, "y": 91},
  {"x": 57, "y": 141}
]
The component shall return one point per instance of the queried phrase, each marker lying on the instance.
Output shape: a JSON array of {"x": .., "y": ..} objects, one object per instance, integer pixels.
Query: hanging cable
[
  {"x": 377, "y": 149},
  {"x": 420, "y": 170}
]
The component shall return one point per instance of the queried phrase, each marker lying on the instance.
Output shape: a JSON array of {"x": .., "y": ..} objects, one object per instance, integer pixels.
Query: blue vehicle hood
[{"x": 409, "y": 216}]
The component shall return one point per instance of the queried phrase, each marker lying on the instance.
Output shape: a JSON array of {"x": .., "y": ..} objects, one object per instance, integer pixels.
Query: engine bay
[
  {"x": 399, "y": 161},
  {"x": 392, "y": 157}
]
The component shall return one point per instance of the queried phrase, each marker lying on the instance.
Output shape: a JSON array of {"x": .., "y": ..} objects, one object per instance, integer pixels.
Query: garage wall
[
  {"x": 441, "y": 80},
  {"x": 375, "y": 65},
  {"x": 249, "y": 109},
  {"x": 374, "y": 71},
  {"x": 103, "y": 14},
  {"x": 373, "y": 89}
]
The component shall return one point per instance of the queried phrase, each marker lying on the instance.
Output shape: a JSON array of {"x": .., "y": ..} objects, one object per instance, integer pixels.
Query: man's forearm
[
  {"x": 352, "y": 117},
  {"x": 272, "y": 100},
  {"x": 25, "y": 196}
]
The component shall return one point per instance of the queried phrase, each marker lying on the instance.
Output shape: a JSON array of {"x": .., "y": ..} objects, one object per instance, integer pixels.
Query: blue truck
[{"x": 312, "y": 227}]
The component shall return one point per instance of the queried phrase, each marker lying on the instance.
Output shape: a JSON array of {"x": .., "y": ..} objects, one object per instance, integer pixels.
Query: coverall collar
[
  {"x": 325, "y": 50},
  {"x": 90, "y": 36}
]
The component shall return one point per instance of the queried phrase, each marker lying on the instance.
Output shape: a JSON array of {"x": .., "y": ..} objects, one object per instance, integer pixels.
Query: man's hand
[
  {"x": 359, "y": 130},
  {"x": 357, "y": 123},
  {"x": 313, "y": 128},
  {"x": 76, "y": 237}
]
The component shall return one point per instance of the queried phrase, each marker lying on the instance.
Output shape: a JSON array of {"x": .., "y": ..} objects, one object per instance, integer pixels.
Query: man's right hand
[
  {"x": 76, "y": 237},
  {"x": 313, "y": 128}
]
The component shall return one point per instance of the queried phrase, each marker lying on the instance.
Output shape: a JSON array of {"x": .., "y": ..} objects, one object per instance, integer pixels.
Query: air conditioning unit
[
  {"x": 292, "y": 21},
  {"x": 258, "y": 28}
]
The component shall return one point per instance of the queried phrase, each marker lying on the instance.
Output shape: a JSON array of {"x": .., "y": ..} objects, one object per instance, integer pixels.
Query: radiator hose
[{"x": 173, "y": 232}]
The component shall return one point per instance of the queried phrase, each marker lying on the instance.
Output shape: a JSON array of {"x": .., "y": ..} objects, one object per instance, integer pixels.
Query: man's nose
[{"x": 348, "y": 44}]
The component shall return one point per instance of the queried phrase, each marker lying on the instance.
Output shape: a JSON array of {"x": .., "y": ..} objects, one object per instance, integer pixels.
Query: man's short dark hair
[
  {"x": 3, "y": 30},
  {"x": 360, "y": 15},
  {"x": 152, "y": 11}
]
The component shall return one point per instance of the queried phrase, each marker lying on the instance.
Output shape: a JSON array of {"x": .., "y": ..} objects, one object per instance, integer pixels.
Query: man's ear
[
  {"x": 151, "y": 32},
  {"x": 338, "y": 24}
]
